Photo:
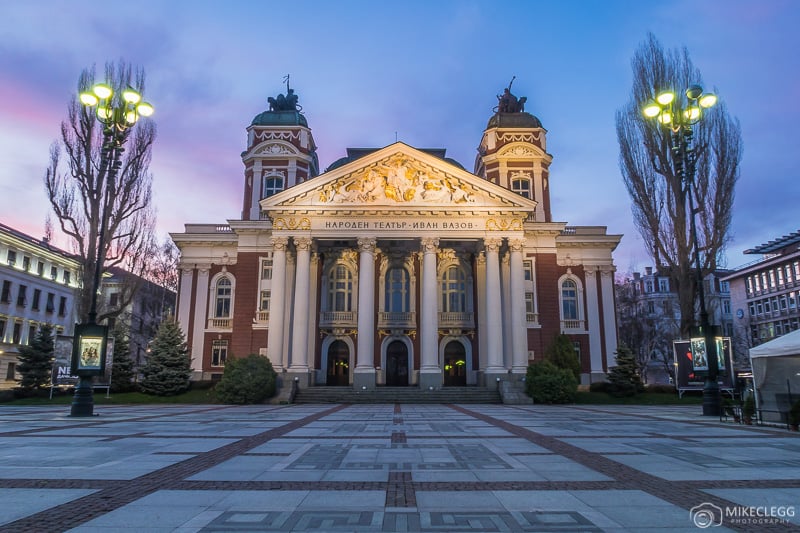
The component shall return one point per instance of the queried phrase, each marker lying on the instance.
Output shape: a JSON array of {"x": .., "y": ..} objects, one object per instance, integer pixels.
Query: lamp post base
[
  {"x": 83, "y": 401},
  {"x": 711, "y": 398}
]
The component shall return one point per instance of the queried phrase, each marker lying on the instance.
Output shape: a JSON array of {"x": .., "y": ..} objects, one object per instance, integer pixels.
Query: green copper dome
[{"x": 280, "y": 118}]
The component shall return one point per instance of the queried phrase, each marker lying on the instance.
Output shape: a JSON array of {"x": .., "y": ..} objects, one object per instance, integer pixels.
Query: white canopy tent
[{"x": 776, "y": 375}]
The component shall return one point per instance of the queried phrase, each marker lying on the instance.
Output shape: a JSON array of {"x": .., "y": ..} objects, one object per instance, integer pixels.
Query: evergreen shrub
[
  {"x": 247, "y": 380},
  {"x": 546, "y": 383}
]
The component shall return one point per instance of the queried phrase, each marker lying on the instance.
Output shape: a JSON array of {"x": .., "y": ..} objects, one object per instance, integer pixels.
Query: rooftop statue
[
  {"x": 508, "y": 103},
  {"x": 284, "y": 103}
]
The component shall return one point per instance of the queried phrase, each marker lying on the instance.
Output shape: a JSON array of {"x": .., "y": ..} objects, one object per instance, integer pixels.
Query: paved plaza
[{"x": 432, "y": 468}]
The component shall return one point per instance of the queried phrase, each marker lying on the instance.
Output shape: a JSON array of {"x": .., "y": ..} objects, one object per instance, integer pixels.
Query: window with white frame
[
  {"x": 521, "y": 186},
  {"x": 340, "y": 289},
  {"x": 222, "y": 303},
  {"x": 454, "y": 290},
  {"x": 528, "y": 267},
  {"x": 272, "y": 185},
  {"x": 663, "y": 284},
  {"x": 219, "y": 352},
  {"x": 266, "y": 268},
  {"x": 569, "y": 300},
  {"x": 398, "y": 298},
  {"x": 264, "y": 300}
]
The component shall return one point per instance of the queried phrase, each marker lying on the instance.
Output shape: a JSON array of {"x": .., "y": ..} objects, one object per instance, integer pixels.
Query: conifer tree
[
  {"x": 624, "y": 378},
  {"x": 168, "y": 367},
  {"x": 36, "y": 359},
  {"x": 563, "y": 355},
  {"x": 122, "y": 367}
]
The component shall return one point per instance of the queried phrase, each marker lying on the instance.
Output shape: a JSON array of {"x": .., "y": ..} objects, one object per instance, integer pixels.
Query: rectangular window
[
  {"x": 37, "y": 295},
  {"x": 748, "y": 283},
  {"x": 577, "y": 346},
  {"x": 40, "y": 268},
  {"x": 663, "y": 284},
  {"x": 529, "y": 304},
  {"x": 113, "y": 299},
  {"x": 264, "y": 304},
  {"x": 5, "y": 297},
  {"x": 219, "y": 353},
  {"x": 726, "y": 307},
  {"x": 266, "y": 268},
  {"x": 67, "y": 276},
  {"x": 2, "y": 329},
  {"x": 53, "y": 273},
  {"x": 31, "y": 333},
  {"x": 26, "y": 263},
  {"x": 648, "y": 286},
  {"x": 11, "y": 372},
  {"x": 22, "y": 295},
  {"x": 528, "y": 266},
  {"x": 12, "y": 257},
  {"x": 788, "y": 274},
  {"x": 771, "y": 279},
  {"x": 651, "y": 307},
  {"x": 724, "y": 286},
  {"x": 752, "y": 309},
  {"x": 780, "y": 276},
  {"x": 17, "y": 335},
  {"x": 51, "y": 303},
  {"x": 62, "y": 306}
]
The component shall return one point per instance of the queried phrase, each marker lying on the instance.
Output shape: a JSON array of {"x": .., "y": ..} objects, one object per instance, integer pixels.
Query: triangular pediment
[{"x": 398, "y": 178}]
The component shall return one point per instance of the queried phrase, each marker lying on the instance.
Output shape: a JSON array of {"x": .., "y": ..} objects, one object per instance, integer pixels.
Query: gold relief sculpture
[
  {"x": 397, "y": 180},
  {"x": 293, "y": 223},
  {"x": 504, "y": 224}
]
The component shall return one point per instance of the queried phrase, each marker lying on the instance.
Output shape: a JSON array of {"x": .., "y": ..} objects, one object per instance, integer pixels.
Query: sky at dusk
[{"x": 427, "y": 72}]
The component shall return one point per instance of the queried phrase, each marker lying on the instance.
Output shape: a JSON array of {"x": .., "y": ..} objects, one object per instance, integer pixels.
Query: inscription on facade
[{"x": 399, "y": 224}]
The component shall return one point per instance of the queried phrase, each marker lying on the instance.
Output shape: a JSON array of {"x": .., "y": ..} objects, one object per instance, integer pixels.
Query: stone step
[{"x": 323, "y": 394}]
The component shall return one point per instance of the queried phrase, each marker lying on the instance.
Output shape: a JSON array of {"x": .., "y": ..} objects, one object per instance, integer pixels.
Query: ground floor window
[{"x": 219, "y": 353}]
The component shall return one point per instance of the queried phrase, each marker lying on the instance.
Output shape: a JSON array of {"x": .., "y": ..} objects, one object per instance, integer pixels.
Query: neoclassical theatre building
[{"x": 396, "y": 266}]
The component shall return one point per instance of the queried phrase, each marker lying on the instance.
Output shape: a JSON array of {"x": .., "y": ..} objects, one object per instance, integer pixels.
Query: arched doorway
[
  {"x": 397, "y": 364},
  {"x": 455, "y": 365},
  {"x": 338, "y": 364}
]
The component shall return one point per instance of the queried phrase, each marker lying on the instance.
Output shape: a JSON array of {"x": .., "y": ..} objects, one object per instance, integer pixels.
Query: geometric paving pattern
[{"x": 431, "y": 468}]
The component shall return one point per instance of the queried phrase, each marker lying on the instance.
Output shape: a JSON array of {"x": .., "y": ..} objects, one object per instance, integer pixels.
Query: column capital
[
  {"x": 493, "y": 244},
  {"x": 280, "y": 243},
  {"x": 429, "y": 244},
  {"x": 516, "y": 245},
  {"x": 302, "y": 243},
  {"x": 367, "y": 244},
  {"x": 590, "y": 272}
]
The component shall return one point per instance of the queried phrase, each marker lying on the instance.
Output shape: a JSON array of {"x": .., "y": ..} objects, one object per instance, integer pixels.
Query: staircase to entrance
[{"x": 324, "y": 394}]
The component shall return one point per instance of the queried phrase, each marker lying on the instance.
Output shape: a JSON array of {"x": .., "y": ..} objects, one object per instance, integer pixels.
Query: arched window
[
  {"x": 454, "y": 290},
  {"x": 272, "y": 185},
  {"x": 222, "y": 306},
  {"x": 569, "y": 300},
  {"x": 340, "y": 289},
  {"x": 521, "y": 186},
  {"x": 397, "y": 291}
]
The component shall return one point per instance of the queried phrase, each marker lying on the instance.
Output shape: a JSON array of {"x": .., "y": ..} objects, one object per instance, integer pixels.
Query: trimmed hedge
[
  {"x": 247, "y": 380},
  {"x": 546, "y": 383}
]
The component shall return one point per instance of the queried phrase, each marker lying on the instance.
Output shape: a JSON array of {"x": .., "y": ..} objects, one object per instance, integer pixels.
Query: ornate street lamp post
[
  {"x": 118, "y": 114},
  {"x": 679, "y": 118}
]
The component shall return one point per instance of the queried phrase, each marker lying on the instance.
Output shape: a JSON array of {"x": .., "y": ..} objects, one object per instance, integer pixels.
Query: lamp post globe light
[
  {"x": 118, "y": 113},
  {"x": 678, "y": 118}
]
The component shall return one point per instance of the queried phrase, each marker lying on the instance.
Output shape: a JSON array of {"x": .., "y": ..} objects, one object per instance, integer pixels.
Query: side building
[
  {"x": 396, "y": 266},
  {"x": 650, "y": 316},
  {"x": 765, "y": 294},
  {"x": 39, "y": 285}
]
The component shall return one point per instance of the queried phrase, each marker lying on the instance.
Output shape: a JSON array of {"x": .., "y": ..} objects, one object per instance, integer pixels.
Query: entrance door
[
  {"x": 338, "y": 364},
  {"x": 455, "y": 365},
  {"x": 396, "y": 364}
]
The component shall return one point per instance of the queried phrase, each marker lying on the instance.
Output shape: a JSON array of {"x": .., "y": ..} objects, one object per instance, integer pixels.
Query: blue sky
[{"x": 427, "y": 71}]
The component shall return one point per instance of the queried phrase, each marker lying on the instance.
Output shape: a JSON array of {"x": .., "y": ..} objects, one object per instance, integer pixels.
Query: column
[
  {"x": 277, "y": 303},
  {"x": 313, "y": 335},
  {"x": 299, "y": 341},
  {"x": 200, "y": 316},
  {"x": 593, "y": 323},
  {"x": 430, "y": 374},
  {"x": 505, "y": 303},
  {"x": 519, "y": 324},
  {"x": 185, "y": 310},
  {"x": 480, "y": 306},
  {"x": 494, "y": 325},
  {"x": 364, "y": 374},
  {"x": 609, "y": 314}
]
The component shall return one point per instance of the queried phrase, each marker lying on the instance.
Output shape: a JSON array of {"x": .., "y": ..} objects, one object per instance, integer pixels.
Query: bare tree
[
  {"x": 82, "y": 192},
  {"x": 659, "y": 197}
]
